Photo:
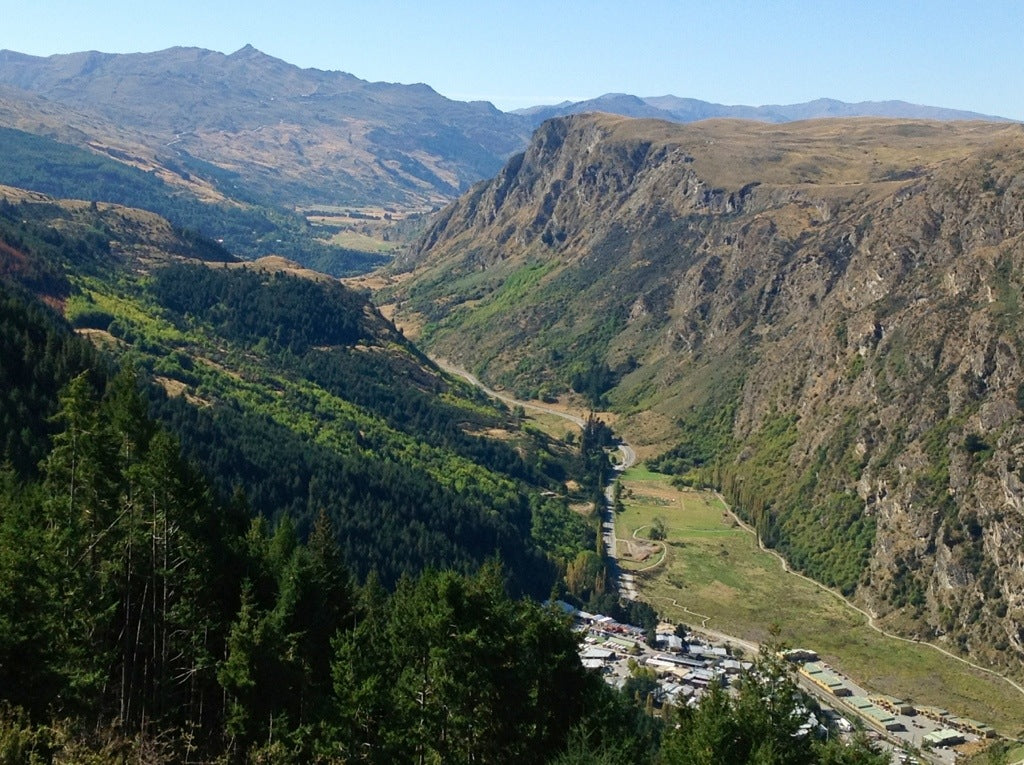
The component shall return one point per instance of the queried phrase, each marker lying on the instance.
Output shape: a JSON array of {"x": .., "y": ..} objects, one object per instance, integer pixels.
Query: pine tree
[{"x": 80, "y": 484}]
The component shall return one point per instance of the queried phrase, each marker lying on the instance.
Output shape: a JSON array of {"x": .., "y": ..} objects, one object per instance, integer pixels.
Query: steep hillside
[
  {"x": 292, "y": 392},
  {"x": 823, "y": 317},
  {"x": 289, "y": 136}
]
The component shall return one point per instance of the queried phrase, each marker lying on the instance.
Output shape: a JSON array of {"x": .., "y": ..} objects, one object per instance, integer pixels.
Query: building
[
  {"x": 594, "y": 653},
  {"x": 735, "y": 667},
  {"x": 944, "y": 737},
  {"x": 668, "y": 642},
  {"x": 825, "y": 679},
  {"x": 799, "y": 655}
]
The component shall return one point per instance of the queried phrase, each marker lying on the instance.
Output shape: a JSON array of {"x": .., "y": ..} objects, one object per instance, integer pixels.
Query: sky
[{"x": 965, "y": 55}]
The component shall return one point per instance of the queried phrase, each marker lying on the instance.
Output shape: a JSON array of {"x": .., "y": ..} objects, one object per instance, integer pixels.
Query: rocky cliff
[{"x": 824, "y": 318}]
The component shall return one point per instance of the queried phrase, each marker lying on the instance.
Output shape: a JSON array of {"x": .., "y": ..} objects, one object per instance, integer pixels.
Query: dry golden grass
[
  {"x": 834, "y": 152},
  {"x": 276, "y": 263},
  {"x": 362, "y": 242},
  {"x": 100, "y": 338},
  {"x": 173, "y": 388}
]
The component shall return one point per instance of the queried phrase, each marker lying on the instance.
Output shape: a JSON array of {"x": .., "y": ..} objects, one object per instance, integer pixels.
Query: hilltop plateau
[{"x": 821, "y": 318}]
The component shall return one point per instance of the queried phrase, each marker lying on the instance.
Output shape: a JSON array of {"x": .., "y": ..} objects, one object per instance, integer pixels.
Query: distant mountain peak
[
  {"x": 246, "y": 118},
  {"x": 677, "y": 109}
]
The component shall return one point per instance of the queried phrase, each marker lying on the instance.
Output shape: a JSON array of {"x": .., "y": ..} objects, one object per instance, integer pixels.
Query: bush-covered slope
[
  {"x": 142, "y": 618},
  {"x": 823, "y": 316},
  {"x": 298, "y": 393}
]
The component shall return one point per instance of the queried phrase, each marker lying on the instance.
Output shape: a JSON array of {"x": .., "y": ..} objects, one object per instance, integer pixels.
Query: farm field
[
  {"x": 363, "y": 242},
  {"x": 709, "y": 571}
]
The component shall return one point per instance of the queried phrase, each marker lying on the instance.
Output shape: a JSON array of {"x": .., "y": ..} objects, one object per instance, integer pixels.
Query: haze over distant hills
[
  {"x": 676, "y": 109},
  {"x": 253, "y": 125}
]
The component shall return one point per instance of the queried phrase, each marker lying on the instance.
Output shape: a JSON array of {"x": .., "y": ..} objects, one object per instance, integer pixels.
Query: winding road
[
  {"x": 622, "y": 581},
  {"x": 869, "y": 617},
  {"x": 472, "y": 379}
]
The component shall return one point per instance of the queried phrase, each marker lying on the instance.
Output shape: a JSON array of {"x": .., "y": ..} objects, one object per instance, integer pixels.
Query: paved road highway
[{"x": 622, "y": 581}]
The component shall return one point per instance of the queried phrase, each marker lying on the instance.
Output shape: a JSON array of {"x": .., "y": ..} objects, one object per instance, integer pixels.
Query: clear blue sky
[{"x": 967, "y": 54}]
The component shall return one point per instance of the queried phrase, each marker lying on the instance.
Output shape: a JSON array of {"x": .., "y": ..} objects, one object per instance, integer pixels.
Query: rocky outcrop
[{"x": 841, "y": 300}]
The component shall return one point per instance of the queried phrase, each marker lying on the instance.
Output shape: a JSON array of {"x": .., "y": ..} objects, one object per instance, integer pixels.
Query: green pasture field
[{"x": 714, "y": 569}]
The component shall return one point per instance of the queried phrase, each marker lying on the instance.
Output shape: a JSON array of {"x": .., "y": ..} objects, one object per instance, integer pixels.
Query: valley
[
  {"x": 295, "y": 364},
  {"x": 806, "y": 343},
  {"x": 709, "y": 573}
]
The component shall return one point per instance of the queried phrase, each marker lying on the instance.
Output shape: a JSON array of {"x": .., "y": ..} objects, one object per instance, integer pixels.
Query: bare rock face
[{"x": 824, "y": 317}]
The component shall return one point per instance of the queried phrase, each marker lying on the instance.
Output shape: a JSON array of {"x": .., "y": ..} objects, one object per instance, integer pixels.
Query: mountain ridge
[
  {"x": 677, "y": 109},
  {"x": 303, "y": 136},
  {"x": 820, "y": 315},
  {"x": 298, "y": 137}
]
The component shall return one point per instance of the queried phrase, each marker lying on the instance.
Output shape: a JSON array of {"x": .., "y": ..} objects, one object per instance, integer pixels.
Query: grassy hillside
[
  {"x": 246, "y": 228},
  {"x": 710, "y": 572}
]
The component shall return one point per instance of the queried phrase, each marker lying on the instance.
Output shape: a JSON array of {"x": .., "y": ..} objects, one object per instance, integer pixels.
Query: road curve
[
  {"x": 628, "y": 458},
  {"x": 472, "y": 379},
  {"x": 622, "y": 581}
]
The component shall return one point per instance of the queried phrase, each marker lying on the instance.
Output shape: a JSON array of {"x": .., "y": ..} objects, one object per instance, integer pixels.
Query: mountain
[
  {"x": 292, "y": 391},
  {"x": 611, "y": 103},
  {"x": 675, "y": 109},
  {"x": 283, "y": 134},
  {"x": 251, "y": 128},
  {"x": 822, "y": 319}
]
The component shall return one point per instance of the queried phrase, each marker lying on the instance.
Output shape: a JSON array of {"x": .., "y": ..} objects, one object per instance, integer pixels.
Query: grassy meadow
[{"x": 713, "y": 567}]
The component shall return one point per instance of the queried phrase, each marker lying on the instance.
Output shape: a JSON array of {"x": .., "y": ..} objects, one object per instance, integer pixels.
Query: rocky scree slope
[{"x": 822, "y": 318}]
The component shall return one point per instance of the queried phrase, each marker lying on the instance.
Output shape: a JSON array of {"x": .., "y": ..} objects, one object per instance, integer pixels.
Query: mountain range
[
  {"x": 252, "y": 128},
  {"x": 676, "y": 109},
  {"x": 821, "y": 319}
]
